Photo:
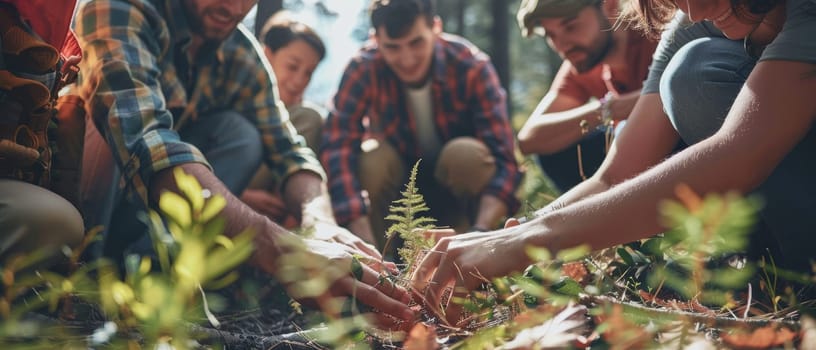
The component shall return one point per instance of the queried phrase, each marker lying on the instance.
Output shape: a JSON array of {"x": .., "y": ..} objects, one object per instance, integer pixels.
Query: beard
[
  {"x": 198, "y": 26},
  {"x": 598, "y": 49}
]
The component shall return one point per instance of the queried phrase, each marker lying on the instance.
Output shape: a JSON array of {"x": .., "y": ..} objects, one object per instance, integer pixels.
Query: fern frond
[{"x": 404, "y": 212}]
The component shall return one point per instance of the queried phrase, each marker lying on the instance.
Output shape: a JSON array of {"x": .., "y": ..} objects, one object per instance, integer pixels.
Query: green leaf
[
  {"x": 732, "y": 278},
  {"x": 212, "y": 208},
  {"x": 625, "y": 256},
  {"x": 356, "y": 268},
  {"x": 652, "y": 246},
  {"x": 189, "y": 185},
  {"x": 572, "y": 254},
  {"x": 567, "y": 286},
  {"x": 538, "y": 254},
  {"x": 176, "y": 208}
]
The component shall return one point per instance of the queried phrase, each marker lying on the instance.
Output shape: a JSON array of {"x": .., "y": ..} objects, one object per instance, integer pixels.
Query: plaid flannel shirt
[
  {"x": 468, "y": 100},
  {"x": 138, "y": 91}
]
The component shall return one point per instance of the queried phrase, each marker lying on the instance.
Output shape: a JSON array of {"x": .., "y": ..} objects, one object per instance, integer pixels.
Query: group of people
[{"x": 173, "y": 84}]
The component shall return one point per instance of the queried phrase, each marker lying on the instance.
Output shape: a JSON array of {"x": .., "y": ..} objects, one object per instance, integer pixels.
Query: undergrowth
[{"x": 689, "y": 284}]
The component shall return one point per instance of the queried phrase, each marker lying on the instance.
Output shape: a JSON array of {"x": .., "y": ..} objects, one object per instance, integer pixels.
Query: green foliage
[
  {"x": 713, "y": 227},
  {"x": 192, "y": 256},
  {"x": 153, "y": 301},
  {"x": 404, "y": 212}
]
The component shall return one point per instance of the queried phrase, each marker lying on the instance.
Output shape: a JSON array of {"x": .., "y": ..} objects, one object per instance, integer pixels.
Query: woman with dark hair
[
  {"x": 294, "y": 50},
  {"x": 733, "y": 79}
]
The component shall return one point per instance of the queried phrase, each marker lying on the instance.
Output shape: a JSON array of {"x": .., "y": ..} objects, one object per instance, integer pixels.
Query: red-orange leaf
[
  {"x": 575, "y": 270},
  {"x": 421, "y": 337},
  {"x": 760, "y": 338}
]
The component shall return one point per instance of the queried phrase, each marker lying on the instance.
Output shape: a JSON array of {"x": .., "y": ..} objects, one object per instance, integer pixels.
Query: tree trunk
[
  {"x": 266, "y": 8},
  {"x": 460, "y": 16},
  {"x": 500, "y": 36}
]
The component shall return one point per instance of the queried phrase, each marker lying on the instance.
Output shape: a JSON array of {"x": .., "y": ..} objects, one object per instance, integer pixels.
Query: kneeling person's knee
[{"x": 465, "y": 166}]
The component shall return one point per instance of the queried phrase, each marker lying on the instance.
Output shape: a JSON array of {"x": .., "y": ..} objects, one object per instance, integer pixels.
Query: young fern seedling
[{"x": 404, "y": 212}]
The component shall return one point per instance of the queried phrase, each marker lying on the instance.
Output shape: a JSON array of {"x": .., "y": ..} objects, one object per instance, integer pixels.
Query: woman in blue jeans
[{"x": 736, "y": 80}]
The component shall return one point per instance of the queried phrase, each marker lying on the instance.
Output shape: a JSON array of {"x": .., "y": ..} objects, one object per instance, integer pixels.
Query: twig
[
  {"x": 748, "y": 305},
  {"x": 711, "y": 321}
]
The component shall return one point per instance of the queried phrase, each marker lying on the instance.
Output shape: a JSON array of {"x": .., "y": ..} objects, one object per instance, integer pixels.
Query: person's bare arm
[
  {"x": 269, "y": 246},
  {"x": 307, "y": 196},
  {"x": 647, "y": 139},
  {"x": 763, "y": 125},
  {"x": 556, "y": 121},
  {"x": 237, "y": 215}
]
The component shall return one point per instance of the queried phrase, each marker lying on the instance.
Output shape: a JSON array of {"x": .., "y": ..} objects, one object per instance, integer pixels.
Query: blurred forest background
[{"x": 525, "y": 65}]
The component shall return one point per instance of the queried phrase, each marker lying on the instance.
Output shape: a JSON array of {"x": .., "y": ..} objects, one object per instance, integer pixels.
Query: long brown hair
[{"x": 652, "y": 16}]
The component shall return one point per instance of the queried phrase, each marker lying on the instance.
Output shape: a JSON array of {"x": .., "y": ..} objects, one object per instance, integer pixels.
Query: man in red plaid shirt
[{"x": 414, "y": 93}]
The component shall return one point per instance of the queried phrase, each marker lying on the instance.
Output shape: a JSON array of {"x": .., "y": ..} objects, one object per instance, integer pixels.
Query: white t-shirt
[{"x": 421, "y": 104}]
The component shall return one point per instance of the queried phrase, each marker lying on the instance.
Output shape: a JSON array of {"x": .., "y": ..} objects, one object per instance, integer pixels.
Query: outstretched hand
[
  {"x": 332, "y": 233},
  {"x": 325, "y": 274},
  {"x": 463, "y": 262}
]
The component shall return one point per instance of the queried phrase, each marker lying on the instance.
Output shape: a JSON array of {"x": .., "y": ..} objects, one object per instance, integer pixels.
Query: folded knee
[{"x": 465, "y": 166}]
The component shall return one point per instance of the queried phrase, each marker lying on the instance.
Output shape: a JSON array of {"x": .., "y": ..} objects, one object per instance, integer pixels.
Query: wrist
[{"x": 605, "y": 116}]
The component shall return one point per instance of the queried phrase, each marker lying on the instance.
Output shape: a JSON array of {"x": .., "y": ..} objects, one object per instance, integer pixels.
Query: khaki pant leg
[
  {"x": 309, "y": 123},
  {"x": 35, "y": 219},
  {"x": 465, "y": 166},
  {"x": 382, "y": 173}
]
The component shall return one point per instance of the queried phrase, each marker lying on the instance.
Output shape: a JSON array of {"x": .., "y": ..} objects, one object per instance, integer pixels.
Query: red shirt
[
  {"x": 594, "y": 83},
  {"x": 51, "y": 20}
]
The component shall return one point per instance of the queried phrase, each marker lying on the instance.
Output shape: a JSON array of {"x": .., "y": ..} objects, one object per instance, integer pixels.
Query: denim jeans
[
  {"x": 697, "y": 89},
  {"x": 229, "y": 142}
]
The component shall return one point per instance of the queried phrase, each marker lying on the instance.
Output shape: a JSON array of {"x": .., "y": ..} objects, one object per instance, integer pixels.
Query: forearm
[
  {"x": 238, "y": 217},
  {"x": 547, "y": 133},
  {"x": 630, "y": 211},
  {"x": 583, "y": 190},
  {"x": 307, "y": 198},
  {"x": 491, "y": 211}
]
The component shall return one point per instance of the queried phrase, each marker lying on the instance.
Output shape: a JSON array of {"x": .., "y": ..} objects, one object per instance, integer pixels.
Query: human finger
[
  {"x": 444, "y": 275},
  {"x": 387, "y": 322},
  {"x": 438, "y": 233},
  {"x": 394, "y": 305},
  {"x": 382, "y": 283},
  {"x": 378, "y": 264},
  {"x": 511, "y": 222},
  {"x": 367, "y": 249},
  {"x": 428, "y": 265}
]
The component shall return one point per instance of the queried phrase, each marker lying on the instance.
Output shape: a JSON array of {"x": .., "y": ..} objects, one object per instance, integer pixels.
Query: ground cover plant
[{"x": 688, "y": 287}]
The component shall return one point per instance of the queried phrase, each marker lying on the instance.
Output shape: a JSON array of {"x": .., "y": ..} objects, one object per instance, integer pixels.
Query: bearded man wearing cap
[{"x": 596, "y": 86}]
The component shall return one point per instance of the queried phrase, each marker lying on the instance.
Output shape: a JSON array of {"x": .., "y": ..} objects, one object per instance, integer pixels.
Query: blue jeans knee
[
  {"x": 700, "y": 84},
  {"x": 232, "y": 145},
  {"x": 698, "y": 89}
]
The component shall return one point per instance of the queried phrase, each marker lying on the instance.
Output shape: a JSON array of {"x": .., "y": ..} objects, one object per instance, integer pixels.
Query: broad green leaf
[
  {"x": 625, "y": 256},
  {"x": 567, "y": 286},
  {"x": 176, "y": 208},
  {"x": 213, "y": 207},
  {"x": 572, "y": 254},
  {"x": 538, "y": 254},
  {"x": 191, "y": 188}
]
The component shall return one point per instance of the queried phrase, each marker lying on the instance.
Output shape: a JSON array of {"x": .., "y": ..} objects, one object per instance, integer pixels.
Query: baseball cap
[{"x": 531, "y": 11}]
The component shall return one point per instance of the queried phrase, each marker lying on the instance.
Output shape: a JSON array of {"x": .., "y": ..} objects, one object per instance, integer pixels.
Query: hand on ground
[
  {"x": 325, "y": 274},
  {"x": 465, "y": 261},
  {"x": 331, "y": 232}
]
